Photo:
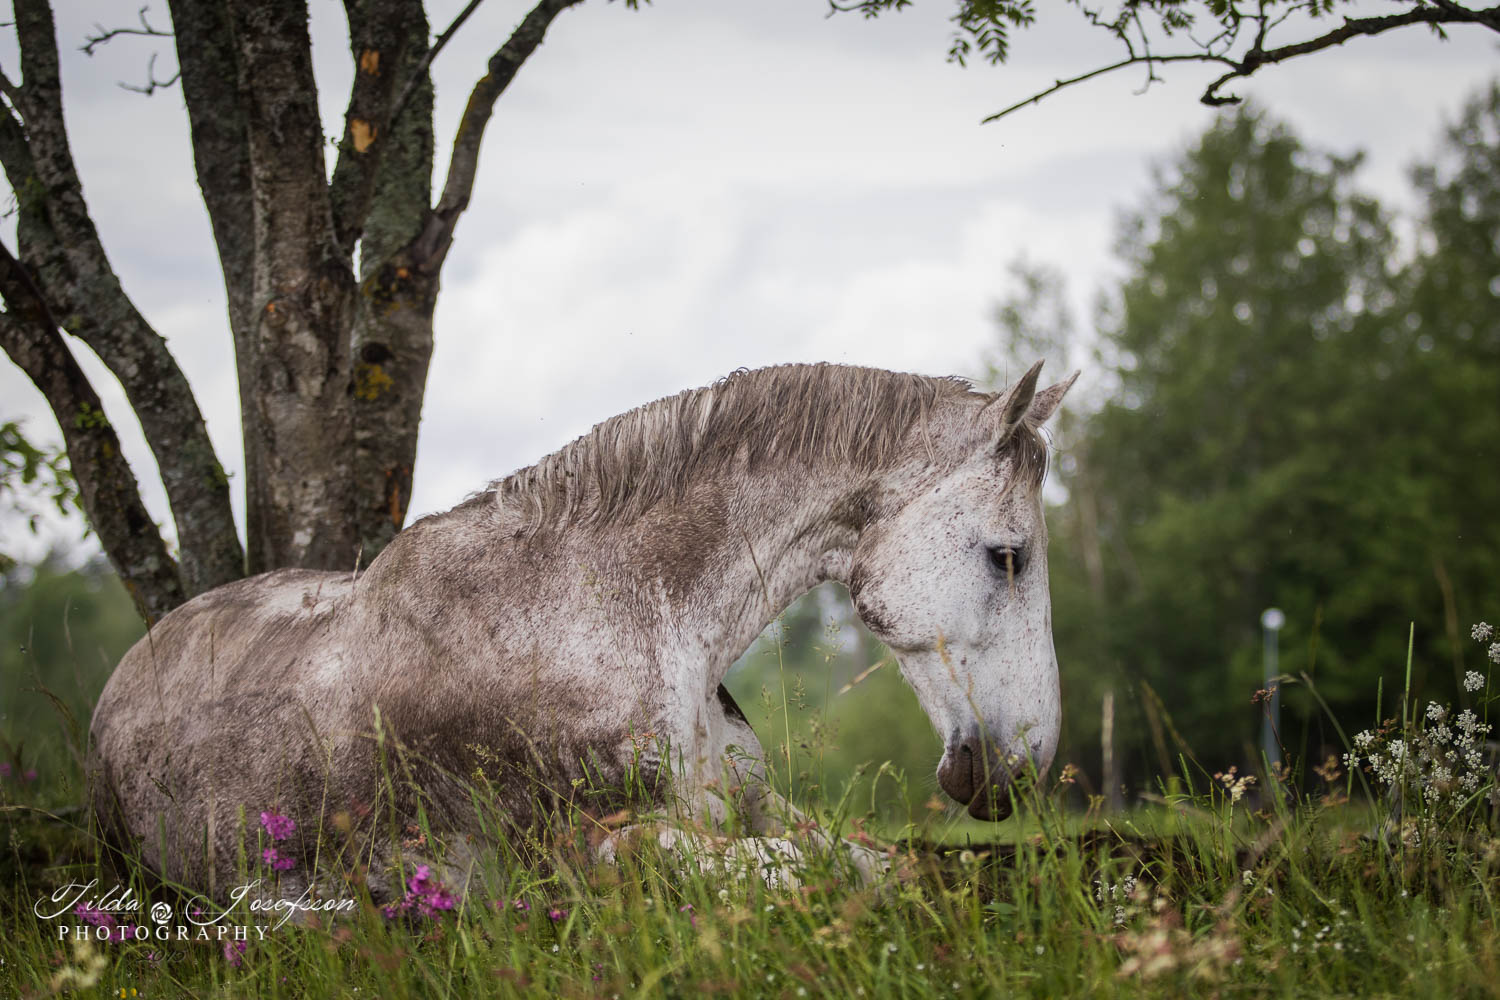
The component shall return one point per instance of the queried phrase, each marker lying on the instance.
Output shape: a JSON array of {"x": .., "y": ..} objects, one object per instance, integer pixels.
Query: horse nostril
[{"x": 955, "y": 772}]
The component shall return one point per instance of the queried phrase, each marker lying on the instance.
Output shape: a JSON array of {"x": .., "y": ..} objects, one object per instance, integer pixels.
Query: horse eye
[{"x": 1006, "y": 561}]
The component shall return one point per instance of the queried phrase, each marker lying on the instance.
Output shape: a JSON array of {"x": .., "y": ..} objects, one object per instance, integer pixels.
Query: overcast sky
[{"x": 668, "y": 194}]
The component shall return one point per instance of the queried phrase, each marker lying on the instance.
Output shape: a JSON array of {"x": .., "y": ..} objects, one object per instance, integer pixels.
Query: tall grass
[{"x": 1216, "y": 886}]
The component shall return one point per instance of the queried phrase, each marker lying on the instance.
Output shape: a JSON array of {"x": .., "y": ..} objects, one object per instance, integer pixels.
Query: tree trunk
[
  {"x": 331, "y": 370},
  {"x": 303, "y": 298},
  {"x": 392, "y": 336},
  {"x": 60, "y": 247}
]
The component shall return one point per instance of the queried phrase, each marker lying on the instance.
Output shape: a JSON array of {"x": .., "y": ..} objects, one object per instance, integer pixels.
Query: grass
[
  {"x": 1214, "y": 887},
  {"x": 1301, "y": 897}
]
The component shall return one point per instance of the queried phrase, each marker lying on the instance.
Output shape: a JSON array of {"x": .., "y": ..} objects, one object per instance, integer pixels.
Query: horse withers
[{"x": 532, "y": 635}]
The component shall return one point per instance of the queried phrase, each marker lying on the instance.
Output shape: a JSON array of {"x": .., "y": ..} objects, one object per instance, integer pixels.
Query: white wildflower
[
  {"x": 1473, "y": 680},
  {"x": 1481, "y": 632},
  {"x": 1364, "y": 740},
  {"x": 1247, "y": 877},
  {"x": 1495, "y": 653},
  {"x": 1435, "y": 712}
]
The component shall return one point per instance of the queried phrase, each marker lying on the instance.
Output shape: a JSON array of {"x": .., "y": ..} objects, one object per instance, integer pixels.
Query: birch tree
[{"x": 331, "y": 281}]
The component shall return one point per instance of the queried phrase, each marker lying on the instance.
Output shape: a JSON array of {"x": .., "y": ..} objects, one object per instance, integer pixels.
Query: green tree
[
  {"x": 1279, "y": 437},
  {"x": 61, "y": 632},
  {"x": 1445, "y": 339}
]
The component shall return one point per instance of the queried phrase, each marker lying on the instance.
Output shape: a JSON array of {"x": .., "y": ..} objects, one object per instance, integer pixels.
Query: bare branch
[
  {"x": 432, "y": 246},
  {"x": 60, "y": 246},
  {"x": 92, "y": 42},
  {"x": 152, "y": 83},
  {"x": 111, "y": 498},
  {"x": 420, "y": 73},
  {"x": 1102, "y": 70}
]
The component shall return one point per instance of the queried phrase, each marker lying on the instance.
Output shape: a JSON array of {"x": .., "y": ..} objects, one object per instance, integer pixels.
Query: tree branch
[
  {"x": 111, "y": 498},
  {"x": 1134, "y": 60},
  {"x": 152, "y": 83},
  {"x": 1353, "y": 27},
  {"x": 92, "y": 42},
  {"x": 392, "y": 337},
  {"x": 380, "y": 34},
  {"x": 1256, "y": 56},
  {"x": 432, "y": 246},
  {"x": 303, "y": 300},
  {"x": 420, "y": 72},
  {"x": 60, "y": 247}
]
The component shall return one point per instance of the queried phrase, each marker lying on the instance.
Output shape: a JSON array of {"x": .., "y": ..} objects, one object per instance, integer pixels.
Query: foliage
[
  {"x": 1239, "y": 38},
  {"x": 1286, "y": 412},
  {"x": 30, "y": 476},
  {"x": 1302, "y": 421},
  {"x": 61, "y": 632}
]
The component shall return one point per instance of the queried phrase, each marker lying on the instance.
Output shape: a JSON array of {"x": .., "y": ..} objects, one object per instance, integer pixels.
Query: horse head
[{"x": 951, "y": 574}]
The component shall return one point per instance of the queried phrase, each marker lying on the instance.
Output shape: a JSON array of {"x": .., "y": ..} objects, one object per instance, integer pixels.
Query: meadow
[{"x": 1378, "y": 880}]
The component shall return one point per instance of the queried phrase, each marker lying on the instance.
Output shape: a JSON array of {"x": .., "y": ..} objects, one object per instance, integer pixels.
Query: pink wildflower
[
  {"x": 90, "y": 915},
  {"x": 30, "y": 774},
  {"x": 277, "y": 863},
  {"x": 424, "y": 893},
  {"x": 105, "y": 919},
  {"x": 555, "y": 914},
  {"x": 277, "y": 826},
  {"x": 234, "y": 953}
]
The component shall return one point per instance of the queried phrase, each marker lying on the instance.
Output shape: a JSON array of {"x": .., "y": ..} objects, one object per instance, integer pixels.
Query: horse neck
[{"x": 783, "y": 532}]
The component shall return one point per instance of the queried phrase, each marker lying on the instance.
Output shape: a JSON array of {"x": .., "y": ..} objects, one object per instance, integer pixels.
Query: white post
[{"x": 1271, "y": 621}]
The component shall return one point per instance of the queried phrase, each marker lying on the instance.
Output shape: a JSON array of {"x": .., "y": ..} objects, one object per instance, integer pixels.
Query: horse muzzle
[{"x": 979, "y": 775}]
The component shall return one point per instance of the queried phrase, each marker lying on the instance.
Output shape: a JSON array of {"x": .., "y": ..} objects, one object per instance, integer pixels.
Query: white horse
[{"x": 540, "y": 634}]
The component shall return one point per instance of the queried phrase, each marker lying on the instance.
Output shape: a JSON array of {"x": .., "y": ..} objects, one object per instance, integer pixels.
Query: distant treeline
[{"x": 1291, "y": 399}]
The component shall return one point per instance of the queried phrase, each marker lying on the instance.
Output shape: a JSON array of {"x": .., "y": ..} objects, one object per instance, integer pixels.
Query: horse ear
[
  {"x": 1044, "y": 404},
  {"x": 1006, "y": 411}
]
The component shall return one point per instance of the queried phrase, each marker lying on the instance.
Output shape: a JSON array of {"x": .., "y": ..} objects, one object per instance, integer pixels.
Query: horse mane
[{"x": 801, "y": 413}]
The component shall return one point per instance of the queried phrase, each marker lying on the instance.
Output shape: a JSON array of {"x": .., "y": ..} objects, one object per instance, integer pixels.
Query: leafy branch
[{"x": 1235, "y": 36}]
